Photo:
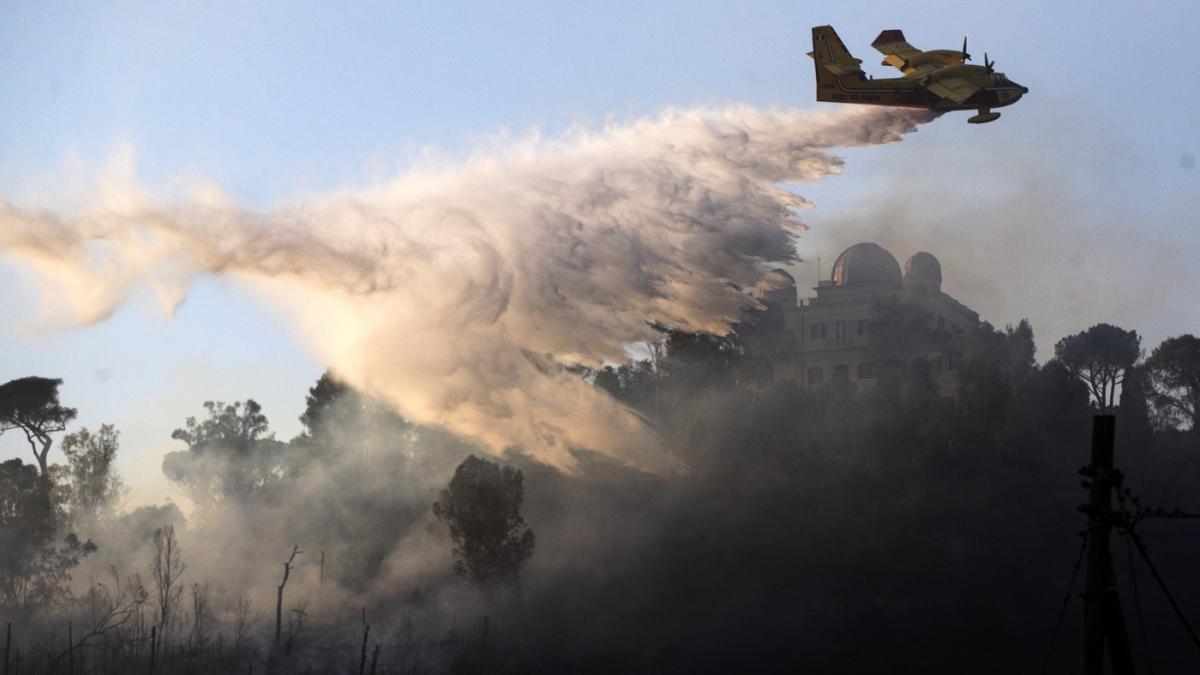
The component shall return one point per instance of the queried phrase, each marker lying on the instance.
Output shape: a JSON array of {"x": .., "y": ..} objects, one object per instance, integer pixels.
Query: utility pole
[{"x": 1103, "y": 622}]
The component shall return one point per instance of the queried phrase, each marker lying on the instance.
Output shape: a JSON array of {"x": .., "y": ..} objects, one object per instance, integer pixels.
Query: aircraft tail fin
[{"x": 833, "y": 60}]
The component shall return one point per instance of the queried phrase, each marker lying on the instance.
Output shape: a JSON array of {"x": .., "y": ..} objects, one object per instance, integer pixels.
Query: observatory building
[{"x": 828, "y": 337}]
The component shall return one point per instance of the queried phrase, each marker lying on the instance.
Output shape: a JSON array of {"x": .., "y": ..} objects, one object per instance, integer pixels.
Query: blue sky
[{"x": 279, "y": 100}]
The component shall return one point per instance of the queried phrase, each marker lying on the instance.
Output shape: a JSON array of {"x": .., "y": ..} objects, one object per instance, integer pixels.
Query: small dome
[
  {"x": 923, "y": 271},
  {"x": 866, "y": 263},
  {"x": 777, "y": 287}
]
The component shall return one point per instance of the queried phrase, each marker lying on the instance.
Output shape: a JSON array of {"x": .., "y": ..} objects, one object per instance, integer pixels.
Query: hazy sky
[{"x": 1079, "y": 205}]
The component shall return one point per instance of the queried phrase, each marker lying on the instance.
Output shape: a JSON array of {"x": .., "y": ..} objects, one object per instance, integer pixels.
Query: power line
[
  {"x": 1137, "y": 600},
  {"x": 1066, "y": 600},
  {"x": 1137, "y": 541},
  {"x": 1128, "y": 525},
  {"x": 1137, "y": 603}
]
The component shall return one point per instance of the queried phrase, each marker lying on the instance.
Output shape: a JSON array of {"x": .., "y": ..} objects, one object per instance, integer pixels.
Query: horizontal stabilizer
[
  {"x": 895, "y": 49},
  {"x": 888, "y": 37}
]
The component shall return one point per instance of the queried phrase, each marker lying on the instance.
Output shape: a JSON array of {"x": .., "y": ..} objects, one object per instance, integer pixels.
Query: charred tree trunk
[
  {"x": 153, "y": 647},
  {"x": 287, "y": 571},
  {"x": 362, "y": 656}
]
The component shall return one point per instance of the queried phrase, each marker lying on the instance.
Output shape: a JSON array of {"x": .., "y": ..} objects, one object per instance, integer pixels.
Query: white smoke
[{"x": 457, "y": 295}]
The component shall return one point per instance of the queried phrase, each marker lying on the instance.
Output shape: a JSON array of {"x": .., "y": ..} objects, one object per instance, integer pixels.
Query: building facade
[{"x": 829, "y": 337}]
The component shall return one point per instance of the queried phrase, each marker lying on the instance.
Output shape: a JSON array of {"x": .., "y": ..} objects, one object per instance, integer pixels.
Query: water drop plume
[{"x": 457, "y": 295}]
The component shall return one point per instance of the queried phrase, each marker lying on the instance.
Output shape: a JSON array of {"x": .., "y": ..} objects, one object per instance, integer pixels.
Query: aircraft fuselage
[
  {"x": 908, "y": 92},
  {"x": 934, "y": 80}
]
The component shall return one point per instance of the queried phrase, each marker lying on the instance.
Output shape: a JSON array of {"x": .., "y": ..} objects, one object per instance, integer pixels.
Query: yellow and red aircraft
[{"x": 936, "y": 80}]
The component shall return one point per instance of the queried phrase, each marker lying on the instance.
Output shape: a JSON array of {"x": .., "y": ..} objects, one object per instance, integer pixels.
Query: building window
[
  {"x": 841, "y": 373},
  {"x": 818, "y": 331},
  {"x": 866, "y": 370},
  {"x": 947, "y": 362},
  {"x": 839, "y": 332},
  {"x": 862, "y": 326},
  {"x": 941, "y": 323},
  {"x": 816, "y": 375}
]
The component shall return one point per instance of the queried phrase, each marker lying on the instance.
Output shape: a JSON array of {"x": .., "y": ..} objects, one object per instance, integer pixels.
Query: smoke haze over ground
[
  {"x": 694, "y": 510},
  {"x": 831, "y": 529},
  {"x": 1055, "y": 237},
  {"x": 457, "y": 295}
]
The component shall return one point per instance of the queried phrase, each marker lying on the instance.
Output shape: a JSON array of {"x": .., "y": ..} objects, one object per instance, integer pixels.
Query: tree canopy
[
  {"x": 1173, "y": 371},
  {"x": 33, "y": 570},
  {"x": 31, "y": 404},
  {"x": 320, "y": 401},
  {"x": 231, "y": 454},
  {"x": 25, "y": 511},
  {"x": 92, "y": 485},
  {"x": 482, "y": 506},
  {"x": 1099, "y": 356}
]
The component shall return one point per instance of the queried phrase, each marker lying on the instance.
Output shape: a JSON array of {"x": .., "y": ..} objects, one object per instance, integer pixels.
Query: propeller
[
  {"x": 989, "y": 67},
  {"x": 965, "y": 55}
]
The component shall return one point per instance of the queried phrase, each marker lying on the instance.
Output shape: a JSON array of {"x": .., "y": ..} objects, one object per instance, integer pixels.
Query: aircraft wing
[
  {"x": 954, "y": 88},
  {"x": 895, "y": 49},
  {"x": 923, "y": 69}
]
